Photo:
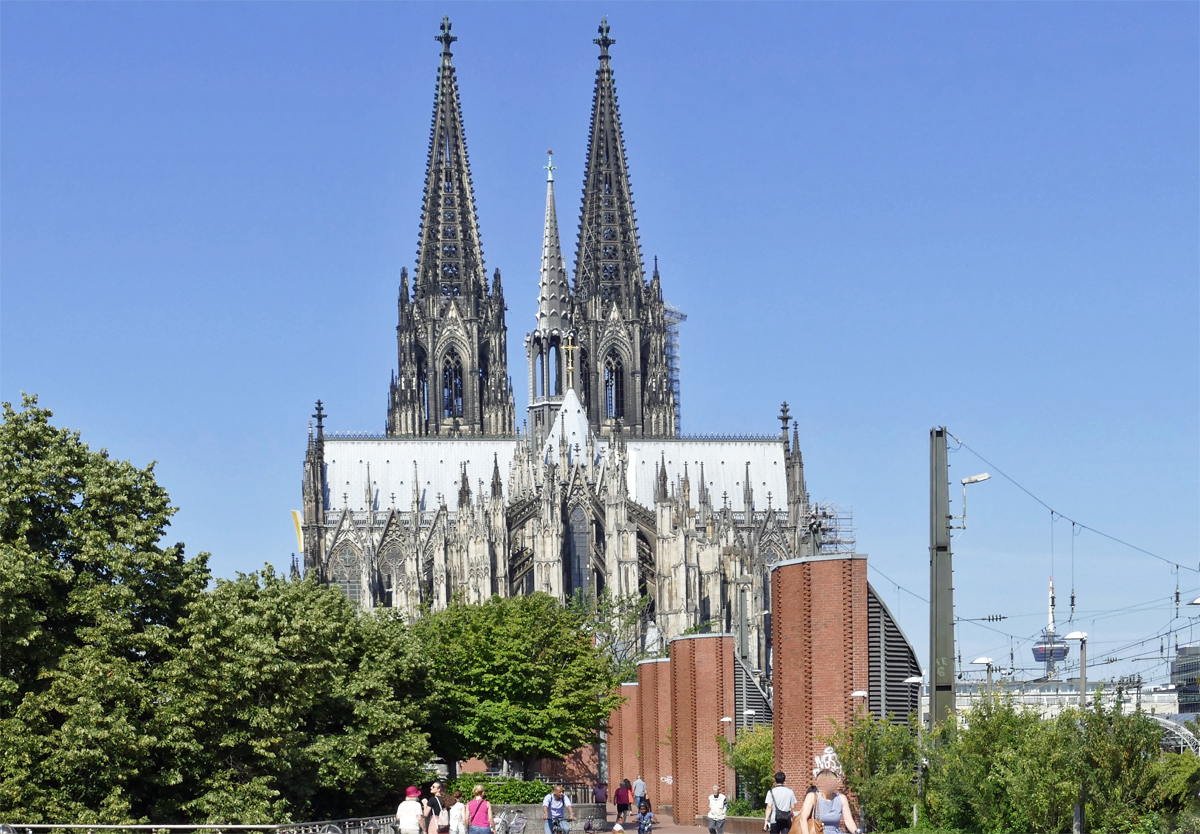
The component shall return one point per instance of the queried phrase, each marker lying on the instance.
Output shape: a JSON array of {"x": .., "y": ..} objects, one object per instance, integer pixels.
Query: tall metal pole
[
  {"x": 941, "y": 583},
  {"x": 1083, "y": 673}
]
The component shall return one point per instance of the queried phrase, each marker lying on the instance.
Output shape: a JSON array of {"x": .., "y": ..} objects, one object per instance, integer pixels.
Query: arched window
[
  {"x": 422, "y": 385},
  {"x": 452, "y": 385},
  {"x": 346, "y": 574},
  {"x": 554, "y": 384},
  {"x": 614, "y": 387}
]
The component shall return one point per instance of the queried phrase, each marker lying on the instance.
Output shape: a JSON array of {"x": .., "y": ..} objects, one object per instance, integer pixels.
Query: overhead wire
[{"x": 1054, "y": 512}]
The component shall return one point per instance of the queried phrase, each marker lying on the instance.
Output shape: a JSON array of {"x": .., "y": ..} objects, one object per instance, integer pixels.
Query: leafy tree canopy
[
  {"x": 516, "y": 678},
  {"x": 88, "y": 601}
]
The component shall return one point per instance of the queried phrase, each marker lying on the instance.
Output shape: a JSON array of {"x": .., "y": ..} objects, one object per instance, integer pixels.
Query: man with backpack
[{"x": 780, "y": 801}]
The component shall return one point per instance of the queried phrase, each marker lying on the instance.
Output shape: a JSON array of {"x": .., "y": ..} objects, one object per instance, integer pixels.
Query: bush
[
  {"x": 742, "y": 808},
  {"x": 752, "y": 757},
  {"x": 503, "y": 790}
]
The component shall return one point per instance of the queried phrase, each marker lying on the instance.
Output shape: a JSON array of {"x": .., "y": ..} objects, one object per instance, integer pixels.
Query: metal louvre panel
[
  {"x": 747, "y": 695},
  {"x": 890, "y": 659}
]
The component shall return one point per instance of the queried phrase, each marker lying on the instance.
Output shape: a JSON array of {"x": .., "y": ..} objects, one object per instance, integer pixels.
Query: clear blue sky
[{"x": 891, "y": 215}]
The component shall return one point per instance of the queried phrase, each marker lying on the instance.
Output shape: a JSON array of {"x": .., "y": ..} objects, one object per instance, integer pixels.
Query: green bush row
[{"x": 503, "y": 790}]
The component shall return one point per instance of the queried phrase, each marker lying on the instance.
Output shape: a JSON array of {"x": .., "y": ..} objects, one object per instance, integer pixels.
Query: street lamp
[
  {"x": 974, "y": 479},
  {"x": 1077, "y": 824},
  {"x": 985, "y": 661},
  {"x": 916, "y": 680},
  {"x": 1081, "y": 636}
]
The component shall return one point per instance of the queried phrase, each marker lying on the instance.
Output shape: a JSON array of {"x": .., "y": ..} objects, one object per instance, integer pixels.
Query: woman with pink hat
[{"x": 408, "y": 815}]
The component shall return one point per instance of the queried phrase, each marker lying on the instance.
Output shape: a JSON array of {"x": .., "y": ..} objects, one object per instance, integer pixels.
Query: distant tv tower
[{"x": 1051, "y": 648}]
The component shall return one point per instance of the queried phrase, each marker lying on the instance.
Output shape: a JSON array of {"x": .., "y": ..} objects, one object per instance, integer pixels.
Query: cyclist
[
  {"x": 556, "y": 809},
  {"x": 645, "y": 818}
]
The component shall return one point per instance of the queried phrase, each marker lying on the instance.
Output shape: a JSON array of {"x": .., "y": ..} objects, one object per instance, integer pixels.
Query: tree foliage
[
  {"x": 315, "y": 710},
  {"x": 129, "y": 692},
  {"x": 515, "y": 678},
  {"x": 615, "y": 624},
  {"x": 752, "y": 757},
  {"x": 88, "y": 603},
  {"x": 999, "y": 768}
]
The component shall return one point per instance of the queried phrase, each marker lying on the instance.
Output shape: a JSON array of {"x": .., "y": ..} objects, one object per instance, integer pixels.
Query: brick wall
[
  {"x": 654, "y": 729},
  {"x": 819, "y": 645},
  {"x": 623, "y": 741},
  {"x": 702, "y": 684}
]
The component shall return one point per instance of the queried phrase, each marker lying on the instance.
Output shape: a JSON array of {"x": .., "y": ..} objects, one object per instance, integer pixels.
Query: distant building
[
  {"x": 1049, "y": 698},
  {"x": 1185, "y": 674}
]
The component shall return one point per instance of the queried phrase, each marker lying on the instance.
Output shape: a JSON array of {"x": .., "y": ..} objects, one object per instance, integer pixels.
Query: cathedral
[{"x": 601, "y": 491}]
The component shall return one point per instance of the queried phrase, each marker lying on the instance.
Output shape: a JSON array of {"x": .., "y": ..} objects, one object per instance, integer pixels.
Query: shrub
[{"x": 503, "y": 790}]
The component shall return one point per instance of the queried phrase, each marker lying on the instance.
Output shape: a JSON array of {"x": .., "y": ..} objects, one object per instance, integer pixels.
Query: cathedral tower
[
  {"x": 623, "y": 373},
  {"x": 452, "y": 346}
]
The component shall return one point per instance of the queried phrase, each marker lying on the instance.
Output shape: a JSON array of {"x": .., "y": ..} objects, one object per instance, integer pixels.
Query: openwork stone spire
[
  {"x": 449, "y": 256},
  {"x": 554, "y": 296},
  {"x": 609, "y": 258},
  {"x": 451, "y": 339}
]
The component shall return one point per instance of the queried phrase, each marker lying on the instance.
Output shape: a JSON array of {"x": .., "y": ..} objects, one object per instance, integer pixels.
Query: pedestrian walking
[
  {"x": 828, "y": 806},
  {"x": 718, "y": 805},
  {"x": 780, "y": 802},
  {"x": 437, "y": 818},
  {"x": 479, "y": 812},
  {"x": 458, "y": 813},
  {"x": 639, "y": 792},
  {"x": 622, "y": 797},
  {"x": 409, "y": 814}
]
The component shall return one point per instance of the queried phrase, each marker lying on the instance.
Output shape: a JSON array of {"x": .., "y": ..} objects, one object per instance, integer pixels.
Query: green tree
[
  {"x": 515, "y": 678},
  {"x": 286, "y": 704},
  {"x": 88, "y": 602},
  {"x": 880, "y": 762},
  {"x": 615, "y": 624},
  {"x": 1120, "y": 761},
  {"x": 752, "y": 757}
]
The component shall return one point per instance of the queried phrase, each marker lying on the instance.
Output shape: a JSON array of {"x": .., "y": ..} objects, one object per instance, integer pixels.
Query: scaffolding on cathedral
[
  {"x": 833, "y": 528},
  {"x": 674, "y": 316}
]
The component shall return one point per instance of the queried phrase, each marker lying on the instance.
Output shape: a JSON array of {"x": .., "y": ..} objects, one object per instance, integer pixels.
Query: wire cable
[{"x": 1054, "y": 512}]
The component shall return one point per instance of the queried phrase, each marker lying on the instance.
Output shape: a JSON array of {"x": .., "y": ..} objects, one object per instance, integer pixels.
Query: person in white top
[
  {"x": 780, "y": 801},
  {"x": 458, "y": 813},
  {"x": 717, "y": 807},
  {"x": 408, "y": 815}
]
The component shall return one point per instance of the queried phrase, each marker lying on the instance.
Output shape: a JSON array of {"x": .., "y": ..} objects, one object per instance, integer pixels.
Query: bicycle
[
  {"x": 560, "y": 826},
  {"x": 511, "y": 823}
]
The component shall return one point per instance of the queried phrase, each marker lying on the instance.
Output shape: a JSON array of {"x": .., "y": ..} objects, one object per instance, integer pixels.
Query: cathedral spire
[
  {"x": 449, "y": 257},
  {"x": 554, "y": 296},
  {"x": 609, "y": 258}
]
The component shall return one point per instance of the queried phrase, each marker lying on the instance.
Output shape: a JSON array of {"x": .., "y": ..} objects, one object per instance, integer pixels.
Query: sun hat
[{"x": 412, "y": 792}]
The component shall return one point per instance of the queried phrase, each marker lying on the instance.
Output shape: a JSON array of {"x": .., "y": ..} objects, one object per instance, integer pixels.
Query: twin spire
[{"x": 449, "y": 256}]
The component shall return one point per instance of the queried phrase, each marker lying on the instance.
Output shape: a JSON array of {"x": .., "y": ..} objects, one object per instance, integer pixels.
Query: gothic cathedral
[{"x": 601, "y": 492}]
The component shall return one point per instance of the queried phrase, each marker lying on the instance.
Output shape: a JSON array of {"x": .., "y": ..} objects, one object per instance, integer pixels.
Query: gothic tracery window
[
  {"x": 452, "y": 385},
  {"x": 614, "y": 387}
]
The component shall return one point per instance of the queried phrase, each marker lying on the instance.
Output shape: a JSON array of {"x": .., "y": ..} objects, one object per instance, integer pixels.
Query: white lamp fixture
[
  {"x": 914, "y": 679},
  {"x": 858, "y": 693}
]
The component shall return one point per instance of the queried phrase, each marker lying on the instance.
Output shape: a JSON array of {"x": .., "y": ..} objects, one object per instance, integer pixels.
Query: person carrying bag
[{"x": 479, "y": 813}]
